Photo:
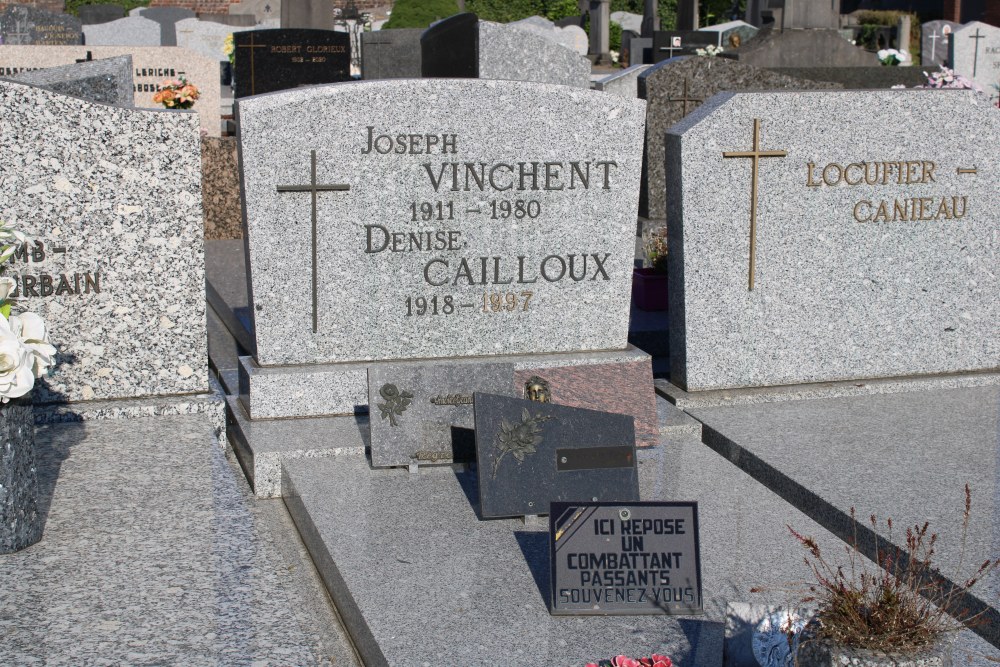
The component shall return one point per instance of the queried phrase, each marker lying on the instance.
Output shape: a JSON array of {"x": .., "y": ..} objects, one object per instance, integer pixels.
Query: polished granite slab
[{"x": 154, "y": 552}]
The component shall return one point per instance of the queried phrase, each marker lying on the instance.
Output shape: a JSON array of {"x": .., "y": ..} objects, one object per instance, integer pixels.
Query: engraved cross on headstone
[
  {"x": 252, "y": 46},
  {"x": 975, "y": 54},
  {"x": 755, "y": 155},
  {"x": 19, "y": 35},
  {"x": 685, "y": 99},
  {"x": 934, "y": 37},
  {"x": 314, "y": 188}
]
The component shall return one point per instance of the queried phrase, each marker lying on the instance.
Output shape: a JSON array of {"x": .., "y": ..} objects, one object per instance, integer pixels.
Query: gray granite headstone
[
  {"x": 116, "y": 268},
  {"x": 934, "y": 42},
  {"x": 530, "y": 454},
  {"x": 167, "y": 17},
  {"x": 422, "y": 413},
  {"x": 129, "y": 31},
  {"x": 974, "y": 52},
  {"x": 93, "y": 14},
  {"x": 108, "y": 81},
  {"x": 732, "y": 34},
  {"x": 519, "y": 55},
  {"x": 21, "y": 24},
  {"x": 624, "y": 558},
  {"x": 863, "y": 251},
  {"x": 569, "y": 36},
  {"x": 624, "y": 83},
  {"x": 434, "y": 239},
  {"x": 205, "y": 37},
  {"x": 793, "y": 48},
  {"x": 675, "y": 88},
  {"x": 391, "y": 54}
]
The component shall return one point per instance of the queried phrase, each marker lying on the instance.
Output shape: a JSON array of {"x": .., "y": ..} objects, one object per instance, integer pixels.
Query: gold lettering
[
  {"x": 868, "y": 217},
  {"x": 847, "y": 175},
  {"x": 809, "y": 176}
]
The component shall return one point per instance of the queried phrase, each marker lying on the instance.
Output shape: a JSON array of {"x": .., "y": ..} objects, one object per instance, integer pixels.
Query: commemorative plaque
[{"x": 625, "y": 558}]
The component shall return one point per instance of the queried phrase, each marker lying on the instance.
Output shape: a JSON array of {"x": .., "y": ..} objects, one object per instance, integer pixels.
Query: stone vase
[
  {"x": 815, "y": 652},
  {"x": 649, "y": 289},
  {"x": 20, "y": 522}
]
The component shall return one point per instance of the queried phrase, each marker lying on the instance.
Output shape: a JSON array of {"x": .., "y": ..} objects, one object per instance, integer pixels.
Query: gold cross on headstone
[
  {"x": 252, "y": 46},
  {"x": 755, "y": 155},
  {"x": 685, "y": 99},
  {"x": 975, "y": 55},
  {"x": 314, "y": 188}
]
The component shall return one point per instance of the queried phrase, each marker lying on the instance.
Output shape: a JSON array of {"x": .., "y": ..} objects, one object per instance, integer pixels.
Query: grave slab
[
  {"x": 128, "y": 31},
  {"x": 271, "y": 60},
  {"x": 27, "y": 25},
  {"x": 205, "y": 37},
  {"x": 974, "y": 52},
  {"x": 934, "y": 42},
  {"x": 753, "y": 286},
  {"x": 391, "y": 54},
  {"x": 517, "y": 55},
  {"x": 93, "y": 14},
  {"x": 108, "y": 81},
  {"x": 151, "y": 66},
  {"x": 422, "y": 413},
  {"x": 791, "y": 48},
  {"x": 167, "y": 18},
  {"x": 624, "y": 83},
  {"x": 108, "y": 193}
]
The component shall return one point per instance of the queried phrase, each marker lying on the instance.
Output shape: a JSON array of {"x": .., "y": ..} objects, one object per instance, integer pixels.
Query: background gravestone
[
  {"x": 94, "y": 14},
  {"x": 205, "y": 37},
  {"x": 974, "y": 52},
  {"x": 270, "y": 60},
  {"x": 108, "y": 81},
  {"x": 24, "y": 25},
  {"x": 450, "y": 48},
  {"x": 129, "y": 31},
  {"x": 167, "y": 17},
  {"x": 391, "y": 54},
  {"x": 675, "y": 88},
  {"x": 666, "y": 44},
  {"x": 934, "y": 42},
  {"x": 732, "y": 34},
  {"x": 792, "y": 48},
  {"x": 220, "y": 188},
  {"x": 759, "y": 295},
  {"x": 624, "y": 83},
  {"x": 118, "y": 268},
  {"x": 572, "y": 37}
]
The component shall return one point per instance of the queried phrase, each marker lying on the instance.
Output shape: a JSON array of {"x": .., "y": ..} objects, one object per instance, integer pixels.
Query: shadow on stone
[{"x": 535, "y": 547}]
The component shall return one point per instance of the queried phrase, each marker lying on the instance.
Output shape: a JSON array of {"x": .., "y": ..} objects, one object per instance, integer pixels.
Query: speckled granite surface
[
  {"x": 624, "y": 83},
  {"x": 108, "y": 80},
  {"x": 117, "y": 267},
  {"x": 220, "y": 188},
  {"x": 513, "y": 54},
  {"x": 20, "y": 522},
  {"x": 155, "y": 553},
  {"x": 893, "y": 274}
]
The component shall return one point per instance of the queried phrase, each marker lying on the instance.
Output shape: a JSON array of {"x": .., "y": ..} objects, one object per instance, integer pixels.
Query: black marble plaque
[
  {"x": 270, "y": 60},
  {"x": 21, "y": 24},
  {"x": 531, "y": 454},
  {"x": 624, "y": 558},
  {"x": 671, "y": 43},
  {"x": 391, "y": 54},
  {"x": 450, "y": 48}
]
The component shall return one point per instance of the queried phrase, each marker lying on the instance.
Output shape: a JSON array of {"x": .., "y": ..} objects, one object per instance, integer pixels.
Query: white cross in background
[
  {"x": 934, "y": 39},
  {"x": 19, "y": 36}
]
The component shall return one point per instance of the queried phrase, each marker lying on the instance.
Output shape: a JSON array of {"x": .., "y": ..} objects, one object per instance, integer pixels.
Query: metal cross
[
  {"x": 89, "y": 58},
  {"x": 975, "y": 57},
  {"x": 755, "y": 154},
  {"x": 314, "y": 188},
  {"x": 671, "y": 50},
  {"x": 685, "y": 99},
  {"x": 252, "y": 46}
]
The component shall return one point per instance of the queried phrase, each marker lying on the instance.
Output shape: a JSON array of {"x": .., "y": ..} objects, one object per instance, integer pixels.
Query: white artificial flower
[
  {"x": 16, "y": 377},
  {"x": 31, "y": 332},
  {"x": 7, "y": 287}
]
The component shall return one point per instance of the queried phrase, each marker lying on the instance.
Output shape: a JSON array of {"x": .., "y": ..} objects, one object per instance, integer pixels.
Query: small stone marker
[
  {"x": 151, "y": 66},
  {"x": 391, "y": 54},
  {"x": 934, "y": 42},
  {"x": 129, "y": 31},
  {"x": 102, "y": 13},
  {"x": 422, "y": 413},
  {"x": 409, "y": 239},
  {"x": 888, "y": 268},
  {"x": 530, "y": 454},
  {"x": 116, "y": 268},
  {"x": 271, "y": 60},
  {"x": 108, "y": 81},
  {"x": 624, "y": 558},
  {"x": 974, "y": 52},
  {"x": 25, "y": 25}
]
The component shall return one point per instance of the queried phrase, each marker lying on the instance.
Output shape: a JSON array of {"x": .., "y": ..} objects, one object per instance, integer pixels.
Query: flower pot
[
  {"x": 815, "y": 652},
  {"x": 20, "y": 522},
  {"x": 649, "y": 289}
]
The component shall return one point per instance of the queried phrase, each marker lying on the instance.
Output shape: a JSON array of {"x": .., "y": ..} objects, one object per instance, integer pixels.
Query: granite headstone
[
  {"x": 99, "y": 13},
  {"x": 450, "y": 48},
  {"x": 220, "y": 188},
  {"x": 531, "y": 454},
  {"x": 675, "y": 88},
  {"x": 624, "y": 83},
  {"x": 107, "y": 81},
  {"x": 671, "y": 43},
  {"x": 391, "y": 54},
  {"x": 934, "y": 42},
  {"x": 497, "y": 238},
  {"x": 151, "y": 66},
  {"x": 624, "y": 558},
  {"x": 861, "y": 251},
  {"x": 572, "y": 37},
  {"x": 167, "y": 17},
  {"x": 116, "y": 266},
  {"x": 422, "y": 413},
  {"x": 732, "y": 34},
  {"x": 26, "y": 25},
  {"x": 974, "y": 52},
  {"x": 793, "y": 48},
  {"x": 271, "y": 60},
  {"x": 129, "y": 31},
  {"x": 205, "y": 37}
]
